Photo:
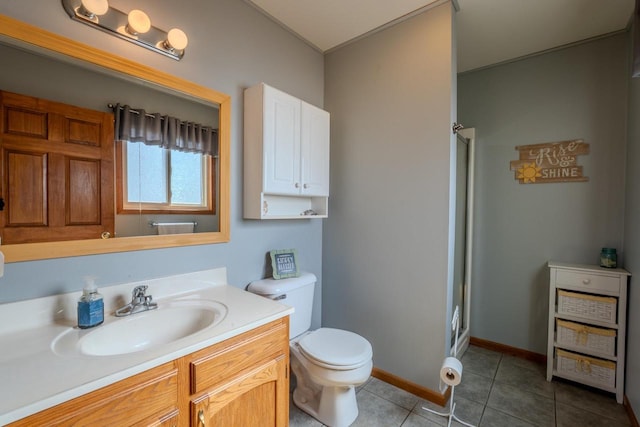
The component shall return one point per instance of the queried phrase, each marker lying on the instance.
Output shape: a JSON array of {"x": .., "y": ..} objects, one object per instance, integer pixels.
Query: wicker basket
[
  {"x": 591, "y": 370},
  {"x": 586, "y": 338},
  {"x": 587, "y": 306}
]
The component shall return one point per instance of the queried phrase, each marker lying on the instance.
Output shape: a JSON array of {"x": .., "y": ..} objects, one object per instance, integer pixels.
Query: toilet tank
[{"x": 296, "y": 292}]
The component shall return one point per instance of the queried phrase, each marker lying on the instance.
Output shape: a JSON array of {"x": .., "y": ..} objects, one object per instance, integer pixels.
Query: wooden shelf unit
[{"x": 591, "y": 290}]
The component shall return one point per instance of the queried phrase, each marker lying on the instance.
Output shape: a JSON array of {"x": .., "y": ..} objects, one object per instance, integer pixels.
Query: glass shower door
[{"x": 463, "y": 234}]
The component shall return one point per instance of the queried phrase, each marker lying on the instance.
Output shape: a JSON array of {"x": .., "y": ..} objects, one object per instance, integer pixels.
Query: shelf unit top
[{"x": 593, "y": 268}]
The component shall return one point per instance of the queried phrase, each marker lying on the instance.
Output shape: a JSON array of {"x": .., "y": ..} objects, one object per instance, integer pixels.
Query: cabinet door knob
[
  {"x": 586, "y": 281},
  {"x": 306, "y": 186},
  {"x": 297, "y": 185}
]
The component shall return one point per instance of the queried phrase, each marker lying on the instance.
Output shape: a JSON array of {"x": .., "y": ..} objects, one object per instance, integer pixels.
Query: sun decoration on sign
[{"x": 528, "y": 172}]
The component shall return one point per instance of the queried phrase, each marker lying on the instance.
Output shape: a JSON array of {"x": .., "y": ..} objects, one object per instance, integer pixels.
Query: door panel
[
  {"x": 82, "y": 132},
  {"x": 281, "y": 142},
  {"x": 83, "y": 192},
  {"x": 25, "y": 122},
  {"x": 315, "y": 151},
  {"x": 57, "y": 171},
  {"x": 26, "y": 200}
]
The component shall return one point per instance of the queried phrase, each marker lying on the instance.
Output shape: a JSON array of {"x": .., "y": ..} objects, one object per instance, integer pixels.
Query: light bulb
[
  {"x": 138, "y": 22},
  {"x": 91, "y": 8},
  {"x": 177, "y": 39}
]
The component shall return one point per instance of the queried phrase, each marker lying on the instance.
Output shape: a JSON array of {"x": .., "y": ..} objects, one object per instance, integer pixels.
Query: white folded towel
[{"x": 175, "y": 227}]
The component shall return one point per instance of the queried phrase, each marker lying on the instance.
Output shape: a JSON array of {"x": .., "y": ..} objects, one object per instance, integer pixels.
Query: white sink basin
[{"x": 170, "y": 322}]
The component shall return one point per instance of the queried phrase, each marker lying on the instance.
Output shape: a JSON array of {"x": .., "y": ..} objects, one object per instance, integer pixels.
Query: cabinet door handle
[
  {"x": 586, "y": 281},
  {"x": 201, "y": 417}
]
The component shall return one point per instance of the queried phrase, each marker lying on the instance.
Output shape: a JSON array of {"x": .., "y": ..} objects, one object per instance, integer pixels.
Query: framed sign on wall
[
  {"x": 284, "y": 263},
  {"x": 550, "y": 162}
]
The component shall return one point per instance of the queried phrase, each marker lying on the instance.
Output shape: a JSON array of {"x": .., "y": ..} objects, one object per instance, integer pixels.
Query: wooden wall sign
[{"x": 550, "y": 162}]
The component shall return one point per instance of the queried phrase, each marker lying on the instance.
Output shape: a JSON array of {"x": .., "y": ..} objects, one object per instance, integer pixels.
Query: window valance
[{"x": 168, "y": 132}]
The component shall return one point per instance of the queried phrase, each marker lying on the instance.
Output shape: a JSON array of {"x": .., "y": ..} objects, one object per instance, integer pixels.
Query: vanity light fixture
[
  {"x": 176, "y": 39},
  {"x": 137, "y": 22},
  {"x": 92, "y": 9},
  {"x": 134, "y": 26}
]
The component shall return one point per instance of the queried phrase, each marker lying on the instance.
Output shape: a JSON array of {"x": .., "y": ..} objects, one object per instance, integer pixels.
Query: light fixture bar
[{"x": 116, "y": 23}]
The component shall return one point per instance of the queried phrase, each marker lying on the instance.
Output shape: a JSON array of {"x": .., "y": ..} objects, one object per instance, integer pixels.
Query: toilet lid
[{"x": 336, "y": 349}]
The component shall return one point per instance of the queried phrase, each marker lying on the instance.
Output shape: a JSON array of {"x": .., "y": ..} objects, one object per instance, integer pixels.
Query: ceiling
[{"x": 488, "y": 31}]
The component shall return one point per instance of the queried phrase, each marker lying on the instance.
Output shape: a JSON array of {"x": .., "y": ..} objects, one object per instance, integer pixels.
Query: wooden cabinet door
[
  {"x": 257, "y": 398},
  {"x": 314, "y": 148},
  {"x": 281, "y": 142},
  {"x": 57, "y": 171}
]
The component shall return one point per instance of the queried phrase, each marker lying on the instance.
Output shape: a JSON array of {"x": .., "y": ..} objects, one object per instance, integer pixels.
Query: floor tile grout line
[
  {"x": 406, "y": 418},
  {"x": 495, "y": 374}
]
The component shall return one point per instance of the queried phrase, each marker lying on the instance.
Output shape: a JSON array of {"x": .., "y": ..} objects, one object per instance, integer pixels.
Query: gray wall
[
  {"x": 632, "y": 247},
  {"x": 231, "y": 46},
  {"x": 578, "y": 92},
  {"x": 386, "y": 242}
]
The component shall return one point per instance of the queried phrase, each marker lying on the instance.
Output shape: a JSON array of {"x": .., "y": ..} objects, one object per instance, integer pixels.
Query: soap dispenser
[{"x": 90, "y": 306}]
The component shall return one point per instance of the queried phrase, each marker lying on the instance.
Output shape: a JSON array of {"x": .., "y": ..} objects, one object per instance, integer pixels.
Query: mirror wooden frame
[{"x": 23, "y": 34}]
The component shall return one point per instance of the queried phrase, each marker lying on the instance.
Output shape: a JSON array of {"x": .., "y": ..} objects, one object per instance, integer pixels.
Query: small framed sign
[{"x": 284, "y": 263}]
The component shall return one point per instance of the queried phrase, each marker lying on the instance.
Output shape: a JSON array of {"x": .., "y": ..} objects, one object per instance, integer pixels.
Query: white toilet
[{"x": 328, "y": 363}]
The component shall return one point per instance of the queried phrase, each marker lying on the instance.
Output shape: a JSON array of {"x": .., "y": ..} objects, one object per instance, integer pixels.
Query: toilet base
[
  {"x": 328, "y": 395},
  {"x": 332, "y": 406}
]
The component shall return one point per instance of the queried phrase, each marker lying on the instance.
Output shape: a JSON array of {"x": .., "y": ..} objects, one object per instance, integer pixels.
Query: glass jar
[{"x": 608, "y": 258}]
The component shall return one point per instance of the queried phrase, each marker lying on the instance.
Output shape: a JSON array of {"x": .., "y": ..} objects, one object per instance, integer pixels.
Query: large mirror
[{"x": 186, "y": 99}]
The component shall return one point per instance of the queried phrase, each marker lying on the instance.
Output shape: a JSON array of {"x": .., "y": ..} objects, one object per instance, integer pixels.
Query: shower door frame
[{"x": 464, "y": 336}]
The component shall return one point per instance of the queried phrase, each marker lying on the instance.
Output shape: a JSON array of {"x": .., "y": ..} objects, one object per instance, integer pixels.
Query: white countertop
[{"x": 33, "y": 377}]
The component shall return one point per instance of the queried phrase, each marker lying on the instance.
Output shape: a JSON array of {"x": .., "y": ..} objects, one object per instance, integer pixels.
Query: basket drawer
[
  {"x": 586, "y": 338},
  {"x": 586, "y": 306},
  {"x": 595, "y": 371},
  {"x": 588, "y": 282}
]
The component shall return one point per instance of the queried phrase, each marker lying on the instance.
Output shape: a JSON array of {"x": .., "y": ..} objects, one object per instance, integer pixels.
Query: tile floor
[{"x": 497, "y": 391}]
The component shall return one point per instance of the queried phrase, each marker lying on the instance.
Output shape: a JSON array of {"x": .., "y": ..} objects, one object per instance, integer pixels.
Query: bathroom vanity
[{"x": 230, "y": 371}]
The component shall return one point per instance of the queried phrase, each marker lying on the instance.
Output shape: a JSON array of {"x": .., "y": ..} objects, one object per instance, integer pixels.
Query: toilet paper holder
[{"x": 451, "y": 374}]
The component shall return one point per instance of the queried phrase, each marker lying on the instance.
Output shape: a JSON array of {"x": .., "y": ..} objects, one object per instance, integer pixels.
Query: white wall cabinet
[
  {"x": 286, "y": 156},
  {"x": 587, "y": 325}
]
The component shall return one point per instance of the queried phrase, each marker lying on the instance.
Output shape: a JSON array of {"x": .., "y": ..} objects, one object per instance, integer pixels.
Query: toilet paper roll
[{"x": 451, "y": 371}]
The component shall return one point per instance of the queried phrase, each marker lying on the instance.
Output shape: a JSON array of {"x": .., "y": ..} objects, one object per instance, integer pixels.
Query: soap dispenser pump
[{"x": 90, "y": 306}]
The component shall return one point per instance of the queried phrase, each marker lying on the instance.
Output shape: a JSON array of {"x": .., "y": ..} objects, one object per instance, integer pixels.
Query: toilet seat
[{"x": 336, "y": 349}]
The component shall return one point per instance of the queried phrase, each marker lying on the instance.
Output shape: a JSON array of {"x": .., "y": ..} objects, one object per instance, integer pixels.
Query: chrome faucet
[{"x": 139, "y": 302}]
